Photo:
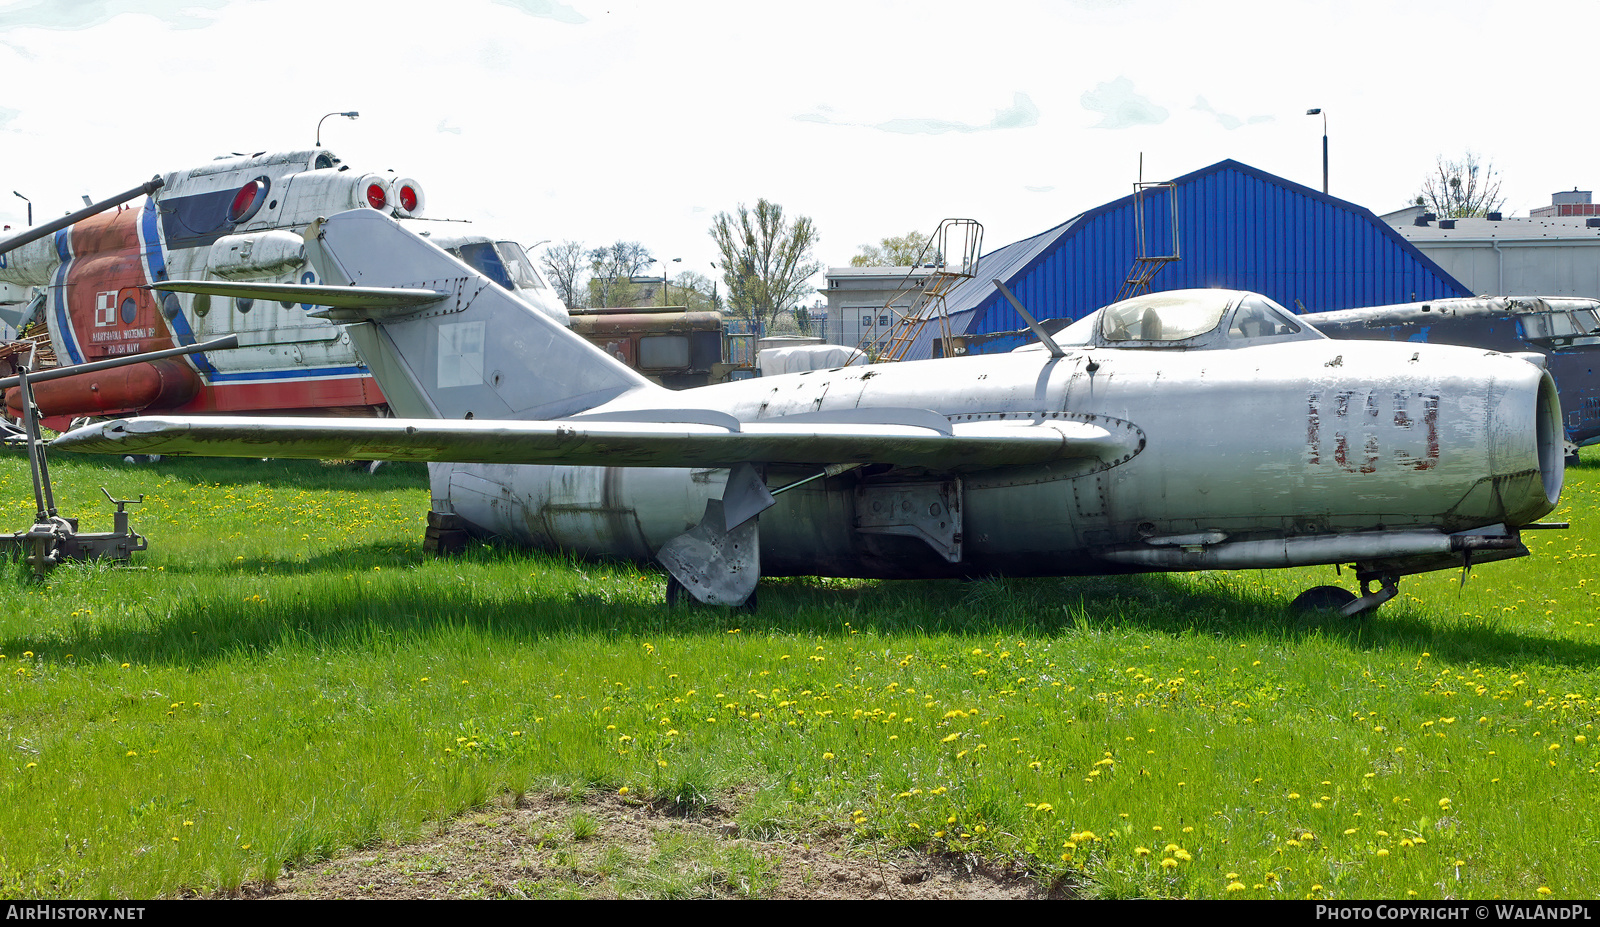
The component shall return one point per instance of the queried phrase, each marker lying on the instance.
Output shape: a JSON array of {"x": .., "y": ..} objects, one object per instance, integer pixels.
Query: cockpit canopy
[{"x": 1186, "y": 319}]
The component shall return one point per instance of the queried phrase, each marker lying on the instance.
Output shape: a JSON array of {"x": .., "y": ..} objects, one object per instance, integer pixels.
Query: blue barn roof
[{"x": 1238, "y": 227}]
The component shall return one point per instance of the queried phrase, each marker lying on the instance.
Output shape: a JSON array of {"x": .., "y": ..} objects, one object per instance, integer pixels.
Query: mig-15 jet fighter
[{"x": 1186, "y": 430}]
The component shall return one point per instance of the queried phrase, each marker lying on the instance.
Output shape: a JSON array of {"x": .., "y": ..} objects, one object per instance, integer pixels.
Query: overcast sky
[{"x": 641, "y": 119}]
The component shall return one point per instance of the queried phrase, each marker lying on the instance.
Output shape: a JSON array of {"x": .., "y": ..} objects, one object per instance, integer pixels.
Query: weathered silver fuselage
[{"x": 1271, "y": 455}]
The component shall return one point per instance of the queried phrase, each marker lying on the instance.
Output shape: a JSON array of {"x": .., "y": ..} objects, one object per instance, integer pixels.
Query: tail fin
[{"x": 477, "y": 352}]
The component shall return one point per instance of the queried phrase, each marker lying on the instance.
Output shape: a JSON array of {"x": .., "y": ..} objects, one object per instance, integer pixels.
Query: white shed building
[{"x": 1550, "y": 255}]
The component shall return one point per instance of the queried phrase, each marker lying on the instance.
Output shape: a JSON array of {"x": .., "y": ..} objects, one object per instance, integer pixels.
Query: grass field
[{"x": 284, "y": 677}]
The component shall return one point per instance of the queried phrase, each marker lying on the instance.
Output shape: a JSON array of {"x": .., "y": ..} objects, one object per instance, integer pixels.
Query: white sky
[{"x": 640, "y": 120}]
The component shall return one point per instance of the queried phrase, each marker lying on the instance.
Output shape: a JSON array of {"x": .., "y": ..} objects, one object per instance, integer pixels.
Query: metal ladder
[
  {"x": 1147, "y": 265},
  {"x": 957, "y": 245}
]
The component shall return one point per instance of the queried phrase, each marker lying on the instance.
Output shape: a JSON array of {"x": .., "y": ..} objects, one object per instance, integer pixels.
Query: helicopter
[{"x": 237, "y": 218}]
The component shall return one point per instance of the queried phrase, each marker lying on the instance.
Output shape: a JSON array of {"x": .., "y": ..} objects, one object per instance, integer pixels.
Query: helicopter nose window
[
  {"x": 518, "y": 267},
  {"x": 482, "y": 257}
]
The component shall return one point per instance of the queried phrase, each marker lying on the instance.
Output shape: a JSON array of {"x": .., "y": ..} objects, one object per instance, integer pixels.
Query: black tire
[{"x": 1322, "y": 599}]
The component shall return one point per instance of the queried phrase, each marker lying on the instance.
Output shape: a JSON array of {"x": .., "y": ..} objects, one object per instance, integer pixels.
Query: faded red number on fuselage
[{"x": 1348, "y": 427}]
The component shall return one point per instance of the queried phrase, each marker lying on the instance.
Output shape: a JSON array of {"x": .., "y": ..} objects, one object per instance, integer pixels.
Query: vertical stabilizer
[{"x": 479, "y": 352}]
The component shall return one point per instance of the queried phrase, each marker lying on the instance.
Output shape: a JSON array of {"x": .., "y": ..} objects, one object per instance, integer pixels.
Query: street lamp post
[
  {"x": 663, "y": 263},
  {"x": 350, "y": 115},
  {"x": 1318, "y": 112},
  {"x": 30, "y": 207}
]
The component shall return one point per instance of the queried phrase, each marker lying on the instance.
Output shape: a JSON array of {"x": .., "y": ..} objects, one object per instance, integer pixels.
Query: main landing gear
[
  {"x": 677, "y": 592},
  {"x": 1341, "y": 600}
]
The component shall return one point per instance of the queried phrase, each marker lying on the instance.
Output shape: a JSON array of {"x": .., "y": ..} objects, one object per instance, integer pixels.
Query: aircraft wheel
[{"x": 1322, "y": 599}]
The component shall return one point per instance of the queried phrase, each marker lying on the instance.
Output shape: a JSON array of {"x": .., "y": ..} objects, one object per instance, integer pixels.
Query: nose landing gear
[{"x": 1341, "y": 600}]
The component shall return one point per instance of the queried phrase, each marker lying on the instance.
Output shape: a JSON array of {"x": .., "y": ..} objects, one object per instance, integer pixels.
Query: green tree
[
  {"x": 695, "y": 291},
  {"x": 766, "y": 260},
  {"x": 903, "y": 251},
  {"x": 1465, "y": 189},
  {"x": 611, "y": 273}
]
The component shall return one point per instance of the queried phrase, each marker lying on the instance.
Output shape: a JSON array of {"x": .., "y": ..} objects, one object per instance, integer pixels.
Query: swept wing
[{"x": 603, "y": 442}]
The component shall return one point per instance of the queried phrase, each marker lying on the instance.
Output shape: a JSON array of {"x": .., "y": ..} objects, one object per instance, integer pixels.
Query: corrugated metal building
[{"x": 1238, "y": 227}]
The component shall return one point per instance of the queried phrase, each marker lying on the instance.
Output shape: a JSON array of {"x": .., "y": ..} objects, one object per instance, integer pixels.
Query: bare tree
[
  {"x": 900, "y": 251},
  {"x": 765, "y": 260},
  {"x": 1464, "y": 189},
  {"x": 611, "y": 272},
  {"x": 564, "y": 264}
]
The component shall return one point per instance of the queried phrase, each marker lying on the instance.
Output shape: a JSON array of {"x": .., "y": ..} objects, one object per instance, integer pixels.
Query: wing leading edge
[{"x": 964, "y": 446}]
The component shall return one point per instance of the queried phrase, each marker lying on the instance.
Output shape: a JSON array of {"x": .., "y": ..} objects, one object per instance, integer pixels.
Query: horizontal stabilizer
[
  {"x": 966, "y": 447},
  {"x": 336, "y": 297}
]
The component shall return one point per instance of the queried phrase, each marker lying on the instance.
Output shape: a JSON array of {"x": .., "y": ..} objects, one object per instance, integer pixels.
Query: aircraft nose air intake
[
  {"x": 1526, "y": 447},
  {"x": 1552, "y": 452}
]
